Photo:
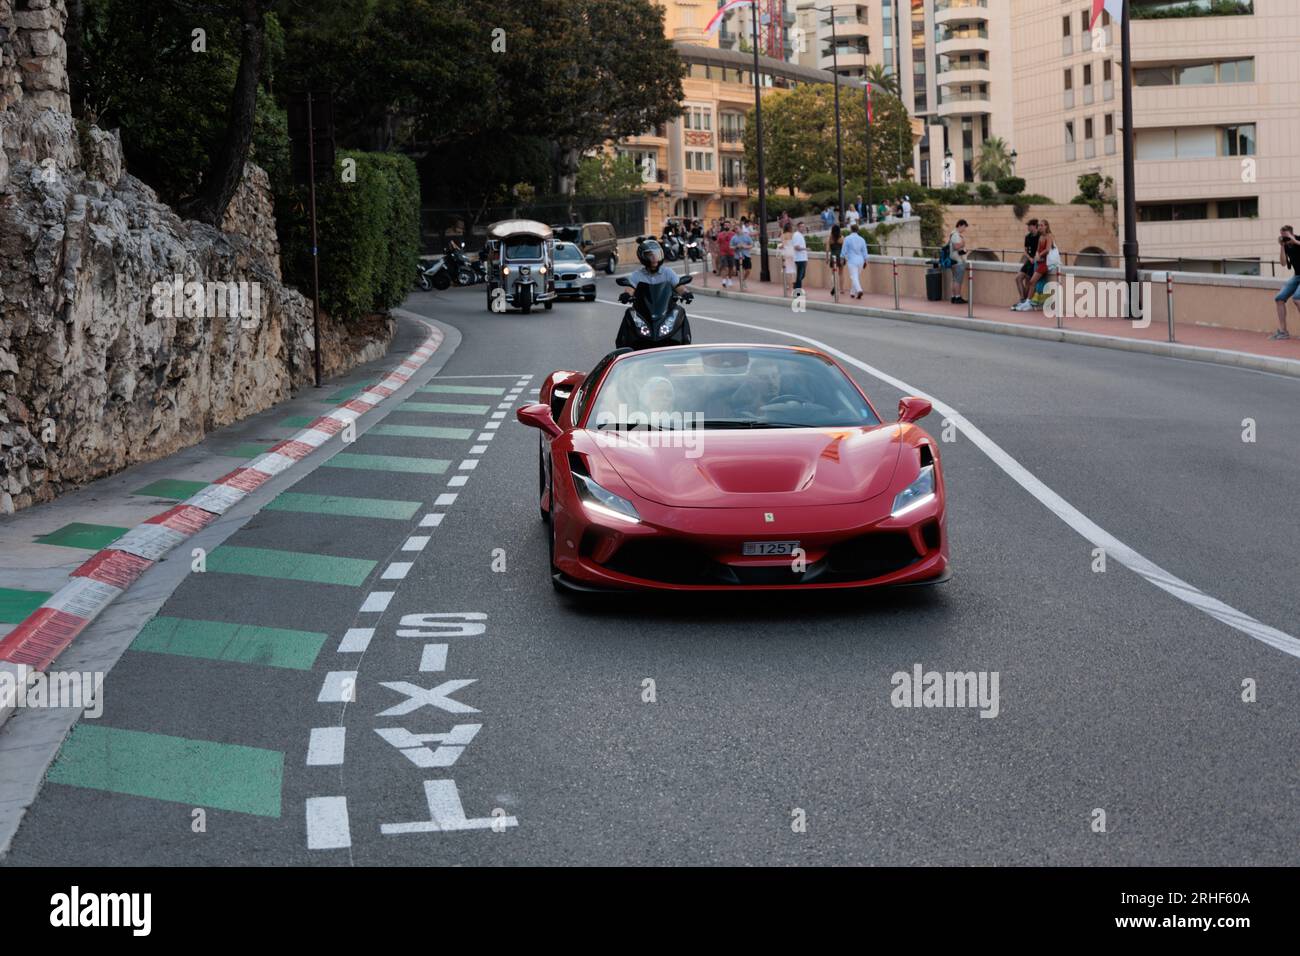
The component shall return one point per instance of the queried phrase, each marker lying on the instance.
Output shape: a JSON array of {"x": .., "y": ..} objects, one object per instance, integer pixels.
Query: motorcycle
[
  {"x": 462, "y": 269},
  {"x": 433, "y": 275},
  {"x": 672, "y": 245},
  {"x": 656, "y": 316},
  {"x": 693, "y": 250}
]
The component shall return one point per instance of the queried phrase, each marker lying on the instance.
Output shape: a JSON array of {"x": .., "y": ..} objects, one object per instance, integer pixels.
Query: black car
[
  {"x": 575, "y": 275},
  {"x": 594, "y": 239}
]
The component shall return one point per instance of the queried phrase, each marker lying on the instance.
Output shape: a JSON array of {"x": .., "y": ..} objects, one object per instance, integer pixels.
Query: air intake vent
[{"x": 927, "y": 455}]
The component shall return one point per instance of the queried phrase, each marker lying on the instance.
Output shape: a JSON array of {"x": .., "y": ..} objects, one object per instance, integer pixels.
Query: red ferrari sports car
[{"x": 723, "y": 467}]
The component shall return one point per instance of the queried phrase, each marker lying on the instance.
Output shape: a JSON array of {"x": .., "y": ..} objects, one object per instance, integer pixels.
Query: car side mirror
[
  {"x": 911, "y": 408},
  {"x": 540, "y": 417},
  {"x": 687, "y": 280},
  {"x": 623, "y": 281},
  {"x": 591, "y": 260}
]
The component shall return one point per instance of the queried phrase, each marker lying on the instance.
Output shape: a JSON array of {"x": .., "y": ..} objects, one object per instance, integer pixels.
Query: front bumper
[
  {"x": 575, "y": 287},
  {"x": 688, "y": 549}
]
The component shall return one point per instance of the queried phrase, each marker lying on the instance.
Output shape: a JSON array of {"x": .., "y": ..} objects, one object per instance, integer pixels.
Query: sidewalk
[
  {"x": 64, "y": 561},
  {"x": 1194, "y": 337}
]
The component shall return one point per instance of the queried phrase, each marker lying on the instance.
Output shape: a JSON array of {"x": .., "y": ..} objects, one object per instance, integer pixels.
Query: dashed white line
[
  {"x": 326, "y": 747},
  {"x": 497, "y": 415},
  {"x": 376, "y": 602},
  {"x": 486, "y": 436},
  {"x": 396, "y": 571},
  {"x": 492, "y": 425},
  {"x": 478, "y": 449},
  {"x": 446, "y": 498},
  {"x": 469, "y": 464},
  {"x": 431, "y": 521},
  {"x": 327, "y": 823},
  {"x": 356, "y": 640},
  {"x": 415, "y": 542},
  {"x": 339, "y": 688},
  {"x": 455, "y": 481}
]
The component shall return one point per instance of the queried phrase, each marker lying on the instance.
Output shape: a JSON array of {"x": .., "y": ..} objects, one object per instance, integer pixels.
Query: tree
[
  {"x": 883, "y": 79},
  {"x": 994, "y": 160},
  {"x": 227, "y": 167},
  {"x": 799, "y": 135},
  {"x": 606, "y": 176}
]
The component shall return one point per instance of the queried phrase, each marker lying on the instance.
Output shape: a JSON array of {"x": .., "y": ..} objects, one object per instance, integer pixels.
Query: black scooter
[{"x": 656, "y": 317}]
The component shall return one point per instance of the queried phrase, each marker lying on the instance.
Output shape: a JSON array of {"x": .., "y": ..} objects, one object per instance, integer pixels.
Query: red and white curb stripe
[{"x": 48, "y": 631}]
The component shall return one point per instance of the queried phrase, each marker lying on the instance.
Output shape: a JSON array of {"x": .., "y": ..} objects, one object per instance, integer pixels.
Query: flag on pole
[
  {"x": 871, "y": 118},
  {"x": 1114, "y": 7},
  {"x": 723, "y": 10}
]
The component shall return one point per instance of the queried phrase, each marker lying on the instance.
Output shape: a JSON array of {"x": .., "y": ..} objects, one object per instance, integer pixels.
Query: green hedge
[{"x": 368, "y": 232}]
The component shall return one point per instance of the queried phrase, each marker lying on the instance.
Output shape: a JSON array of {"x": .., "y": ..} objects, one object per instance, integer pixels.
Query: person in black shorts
[{"x": 1025, "y": 278}]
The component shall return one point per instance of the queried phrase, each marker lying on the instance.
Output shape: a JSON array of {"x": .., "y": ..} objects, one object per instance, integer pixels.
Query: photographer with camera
[{"x": 1289, "y": 251}]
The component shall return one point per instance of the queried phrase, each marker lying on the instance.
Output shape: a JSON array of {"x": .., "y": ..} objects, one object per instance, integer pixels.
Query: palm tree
[
  {"x": 994, "y": 161},
  {"x": 882, "y": 79}
]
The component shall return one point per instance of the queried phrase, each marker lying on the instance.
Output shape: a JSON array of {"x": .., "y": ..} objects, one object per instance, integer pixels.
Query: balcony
[
  {"x": 953, "y": 103},
  {"x": 966, "y": 40},
  {"x": 964, "y": 74},
  {"x": 949, "y": 11}
]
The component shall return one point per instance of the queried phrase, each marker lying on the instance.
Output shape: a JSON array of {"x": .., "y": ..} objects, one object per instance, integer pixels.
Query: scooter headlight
[
  {"x": 667, "y": 325},
  {"x": 640, "y": 324}
]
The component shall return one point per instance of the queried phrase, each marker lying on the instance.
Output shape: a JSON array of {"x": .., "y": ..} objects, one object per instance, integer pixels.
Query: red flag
[
  {"x": 1114, "y": 7},
  {"x": 870, "y": 116}
]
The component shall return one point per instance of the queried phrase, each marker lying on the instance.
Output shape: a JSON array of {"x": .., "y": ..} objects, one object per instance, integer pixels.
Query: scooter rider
[{"x": 653, "y": 272}]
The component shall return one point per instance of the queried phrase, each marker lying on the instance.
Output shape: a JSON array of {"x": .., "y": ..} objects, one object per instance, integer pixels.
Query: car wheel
[
  {"x": 610, "y": 265},
  {"x": 549, "y": 305}
]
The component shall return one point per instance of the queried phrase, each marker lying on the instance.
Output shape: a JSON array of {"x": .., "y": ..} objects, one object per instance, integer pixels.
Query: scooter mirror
[
  {"x": 687, "y": 280},
  {"x": 624, "y": 281}
]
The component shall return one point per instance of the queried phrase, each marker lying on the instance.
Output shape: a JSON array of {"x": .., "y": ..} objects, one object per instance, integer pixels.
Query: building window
[
  {"x": 1239, "y": 140},
  {"x": 1110, "y": 124},
  {"x": 1196, "y": 74},
  {"x": 1069, "y": 133},
  {"x": 1246, "y": 208},
  {"x": 1087, "y": 74},
  {"x": 1087, "y": 128},
  {"x": 1069, "y": 78},
  {"x": 1106, "y": 68},
  {"x": 1066, "y": 27}
]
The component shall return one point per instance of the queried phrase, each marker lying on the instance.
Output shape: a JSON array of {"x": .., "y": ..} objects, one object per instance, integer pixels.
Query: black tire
[
  {"x": 589, "y": 298},
  {"x": 464, "y": 276},
  {"x": 425, "y": 283},
  {"x": 441, "y": 280},
  {"x": 610, "y": 265},
  {"x": 549, "y": 305}
]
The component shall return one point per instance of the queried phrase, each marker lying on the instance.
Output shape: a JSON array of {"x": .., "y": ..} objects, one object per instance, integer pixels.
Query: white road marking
[
  {"x": 356, "y": 640},
  {"x": 455, "y": 481},
  {"x": 376, "y": 602},
  {"x": 417, "y": 697},
  {"x": 469, "y": 464},
  {"x": 506, "y": 405},
  {"x": 339, "y": 688},
  {"x": 445, "y": 499},
  {"x": 446, "y": 813},
  {"x": 326, "y": 747},
  {"x": 327, "y": 823},
  {"x": 492, "y": 425},
  {"x": 396, "y": 571},
  {"x": 497, "y": 415},
  {"x": 434, "y": 657},
  {"x": 1072, "y": 516},
  {"x": 478, "y": 449},
  {"x": 486, "y": 436},
  {"x": 431, "y": 521},
  {"x": 415, "y": 542}
]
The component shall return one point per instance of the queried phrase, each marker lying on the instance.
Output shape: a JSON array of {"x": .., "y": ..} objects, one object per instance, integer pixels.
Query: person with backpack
[{"x": 1047, "y": 268}]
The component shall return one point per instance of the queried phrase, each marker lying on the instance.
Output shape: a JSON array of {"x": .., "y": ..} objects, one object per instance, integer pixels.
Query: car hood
[{"x": 753, "y": 468}]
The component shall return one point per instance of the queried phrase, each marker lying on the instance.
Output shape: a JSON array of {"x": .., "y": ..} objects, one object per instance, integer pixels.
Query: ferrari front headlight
[
  {"x": 916, "y": 494},
  {"x": 603, "y": 501}
]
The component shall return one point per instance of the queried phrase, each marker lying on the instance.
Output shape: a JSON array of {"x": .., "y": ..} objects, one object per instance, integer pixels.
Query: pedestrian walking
[
  {"x": 726, "y": 259},
  {"x": 788, "y": 269},
  {"x": 800, "y": 255},
  {"x": 835, "y": 258},
  {"x": 1289, "y": 251},
  {"x": 855, "y": 258},
  {"x": 742, "y": 244},
  {"x": 851, "y": 217}
]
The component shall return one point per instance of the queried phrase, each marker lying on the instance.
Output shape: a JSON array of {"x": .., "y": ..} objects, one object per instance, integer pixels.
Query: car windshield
[
  {"x": 727, "y": 388},
  {"x": 567, "y": 252},
  {"x": 523, "y": 249}
]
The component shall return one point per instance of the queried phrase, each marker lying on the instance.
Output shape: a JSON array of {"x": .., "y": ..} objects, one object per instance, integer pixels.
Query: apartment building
[
  {"x": 846, "y": 36},
  {"x": 1216, "y": 102},
  {"x": 695, "y": 165}
]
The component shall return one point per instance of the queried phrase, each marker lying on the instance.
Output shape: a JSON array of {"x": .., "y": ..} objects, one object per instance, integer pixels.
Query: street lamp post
[
  {"x": 835, "y": 70},
  {"x": 1130, "y": 197},
  {"x": 764, "y": 272},
  {"x": 866, "y": 92}
]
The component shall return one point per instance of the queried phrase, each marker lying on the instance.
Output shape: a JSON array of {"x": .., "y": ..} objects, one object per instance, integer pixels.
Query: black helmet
[{"x": 650, "y": 254}]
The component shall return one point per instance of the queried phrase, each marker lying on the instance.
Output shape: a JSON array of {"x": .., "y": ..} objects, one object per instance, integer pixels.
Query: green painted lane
[
  {"x": 172, "y": 488},
  {"x": 420, "y": 431},
  {"x": 200, "y": 773},
  {"x": 462, "y": 389},
  {"x": 290, "y": 565},
  {"x": 298, "y": 421},
  {"x": 222, "y": 641},
  {"x": 351, "y": 391},
  {"x": 344, "y": 507},
  {"x": 81, "y": 535},
  {"x": 16, "y": 604},
  {"x": 448, "y": 408},
  {"x": 423, "y": 466}
]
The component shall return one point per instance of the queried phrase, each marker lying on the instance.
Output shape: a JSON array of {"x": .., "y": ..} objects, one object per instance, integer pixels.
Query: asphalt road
[{"x": 771, "y": 737}]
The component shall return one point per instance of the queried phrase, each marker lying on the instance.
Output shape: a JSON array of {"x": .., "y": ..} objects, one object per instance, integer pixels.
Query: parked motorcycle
[
  {"x": 433, "y": 275},
  {"x": 693, "y": 250},
  {"x": 656, "y": 316},
  {"x": 672, "y": 243},
  {"x": 462, "y": 269}
]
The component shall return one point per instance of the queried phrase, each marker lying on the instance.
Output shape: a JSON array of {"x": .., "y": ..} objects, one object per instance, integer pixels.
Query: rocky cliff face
[{"x": 94, "y": 375}]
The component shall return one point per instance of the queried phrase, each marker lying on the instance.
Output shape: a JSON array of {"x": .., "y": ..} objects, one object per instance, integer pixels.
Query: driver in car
[
  {"x": 653, "y": 271},
  {"x": 763, "y": 385}
]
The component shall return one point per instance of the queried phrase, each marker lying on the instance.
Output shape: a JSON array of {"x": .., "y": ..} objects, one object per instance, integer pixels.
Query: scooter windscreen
[{"x": 653, "y": 301}]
